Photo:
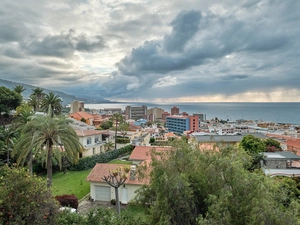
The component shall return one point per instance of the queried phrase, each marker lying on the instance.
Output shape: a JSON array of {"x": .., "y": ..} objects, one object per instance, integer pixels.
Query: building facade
[
  {"x": 77, "y": 106},
  {"x": 178, "y": 124},
  {"x": 154, "y": 114},
  {"x": 135, "y": 112},
  {"x": 174, "y": 111}
]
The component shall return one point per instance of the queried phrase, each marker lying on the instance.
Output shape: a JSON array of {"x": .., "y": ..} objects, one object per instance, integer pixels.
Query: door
[{"x": 102, "y": 193}]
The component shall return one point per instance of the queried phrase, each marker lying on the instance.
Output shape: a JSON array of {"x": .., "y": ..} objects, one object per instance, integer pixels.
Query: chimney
[{"x": 132, "y": 172}]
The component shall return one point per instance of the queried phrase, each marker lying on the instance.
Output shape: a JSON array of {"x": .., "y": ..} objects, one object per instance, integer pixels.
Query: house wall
[
  {"x": 94, "y": 147},
  {"x": 131, "y": 188}
]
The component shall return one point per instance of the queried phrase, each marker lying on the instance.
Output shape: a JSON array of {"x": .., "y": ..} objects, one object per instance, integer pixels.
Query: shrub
[
  {"x": 25, "y": 199},
  {"x": 121, "y": 140},
  {"x": 67, "y": 200},
  {"x": 113, "y": 201}
]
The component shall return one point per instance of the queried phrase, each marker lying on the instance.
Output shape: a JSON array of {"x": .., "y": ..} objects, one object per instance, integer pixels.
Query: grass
[
  {"x": 73, "y": 182},
  {"x": 118, "y": 161}
]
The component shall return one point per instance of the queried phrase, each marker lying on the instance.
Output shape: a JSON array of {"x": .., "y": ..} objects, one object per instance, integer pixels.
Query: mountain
[{"x": 67, "y": 99}]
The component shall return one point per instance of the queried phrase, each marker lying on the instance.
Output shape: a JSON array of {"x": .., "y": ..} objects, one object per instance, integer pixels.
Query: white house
[
  {"x": 91, "y": 140},
  {"x": 101, "y": 191}
]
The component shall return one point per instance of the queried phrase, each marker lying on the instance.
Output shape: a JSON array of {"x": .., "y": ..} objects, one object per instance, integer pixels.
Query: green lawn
[
  {"x": 73, "y": 182},
  {"x": 118, "y": 161}
]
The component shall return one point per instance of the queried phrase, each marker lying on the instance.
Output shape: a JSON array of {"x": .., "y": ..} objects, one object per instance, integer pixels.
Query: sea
[{"x": 279, "y": 112}]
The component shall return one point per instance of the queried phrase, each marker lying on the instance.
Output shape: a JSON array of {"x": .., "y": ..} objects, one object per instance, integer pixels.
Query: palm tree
[
  {"x": 8, "y": 137},
  {"x": 116, "y": 118},
  {"x": 23, "y": 115},
  {"x": 44, "y": 133},
  {"x": 33, "y": 102},
  {"x": 39, "y": 94},
  {"x": 51, "y": 104},
  {"x": 19, "y": 89},
  {"x": 109, "y": 145}
]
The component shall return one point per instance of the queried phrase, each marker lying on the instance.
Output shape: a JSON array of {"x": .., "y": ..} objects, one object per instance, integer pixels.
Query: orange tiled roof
[
  {"x": 293, "y": 143},
  {"x": 143, "y": 152},
  {"x": 80, "y": 115},
  {"x": 83, "y": 133},
  {"x": 102, "y": 169}
]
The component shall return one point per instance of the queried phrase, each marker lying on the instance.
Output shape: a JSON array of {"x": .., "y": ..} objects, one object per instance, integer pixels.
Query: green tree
[
  {"x": 23, "y": 115},
  {"x": 8, "y": 137},
  {"x": 189, "y": 186},
  {"x": 33, "y": 102},
  {"x": 51, "y": 104},
  {"x": 123, "y": 128},
  {"x": 36, "y": 97},
  {"x": 19, "y": 89},
  {"x": 272, "y": 145},
  {"x": 115, "y": 179},
  {"x": 9, "y": 100},
  {"x": 44, "y": 133},
  {"x": 254, "y": 146},
  {"x": 116, "y": 119},
  {"x": 24, "y": 199},
  {"x": 106, "y": 125}
]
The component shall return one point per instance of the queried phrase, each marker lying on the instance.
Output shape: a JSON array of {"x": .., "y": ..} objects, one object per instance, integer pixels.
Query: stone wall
[{"x": 275, "y": 164}]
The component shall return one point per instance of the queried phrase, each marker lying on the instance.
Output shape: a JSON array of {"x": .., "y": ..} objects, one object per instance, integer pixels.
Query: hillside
[{"x": 67, "y": 99}]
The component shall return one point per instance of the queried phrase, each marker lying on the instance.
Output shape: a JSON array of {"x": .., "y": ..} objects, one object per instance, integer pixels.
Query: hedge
[
  {"x": 90, "y": 162},
  {"x": 122, "y": 140}
]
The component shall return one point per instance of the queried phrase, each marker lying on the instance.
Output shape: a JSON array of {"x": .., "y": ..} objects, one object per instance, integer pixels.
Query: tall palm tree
[
  {"x": 39, "y": 94},
  {"x": 116, "y": 118},
  {"x": 19, "y": 89},
  {"x": 44, "y": 133},
  {"x": 24, "y": 114},
  {"x": 33, "y": 102},
  {"x": 51, "y": 104},
  {"x": 8, "y": 137}
]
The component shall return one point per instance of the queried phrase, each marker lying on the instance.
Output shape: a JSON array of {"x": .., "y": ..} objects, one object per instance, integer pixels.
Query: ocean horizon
[{"x": 278, "y": 112}]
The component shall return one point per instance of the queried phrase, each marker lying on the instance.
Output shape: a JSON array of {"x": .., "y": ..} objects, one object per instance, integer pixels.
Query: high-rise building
[
  {"x": 135, "y": 112},
  {"x": 179, "y": 124},
  {"x": 77, "y": 106},
  {"x": 202, "y": 117},
  {"x": 155, "y": 114},
  {"x": 174, "y": 111}
]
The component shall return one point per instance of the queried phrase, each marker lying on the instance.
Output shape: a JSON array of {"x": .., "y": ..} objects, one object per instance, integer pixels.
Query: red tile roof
[
  {"x": 84, "y": 133},
  {"x": 80, "y": 115},
  {"x": 143, "y": 152},
  {"x": 102, "y": 169}
]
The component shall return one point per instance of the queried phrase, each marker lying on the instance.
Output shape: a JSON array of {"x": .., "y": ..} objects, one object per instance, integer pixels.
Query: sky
[{"x": 154, "y": 50}]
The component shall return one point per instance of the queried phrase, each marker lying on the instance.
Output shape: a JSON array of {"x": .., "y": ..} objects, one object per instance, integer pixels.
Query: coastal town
[
  {"x": 119, "y": 155},
  {"x": 146, "y": 123}
]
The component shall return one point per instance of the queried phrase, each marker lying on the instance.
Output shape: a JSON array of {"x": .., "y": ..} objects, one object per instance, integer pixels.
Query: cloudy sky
[{"x": 155, "y": 50}]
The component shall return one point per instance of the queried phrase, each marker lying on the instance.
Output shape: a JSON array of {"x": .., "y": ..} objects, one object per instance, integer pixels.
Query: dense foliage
[
  {"x": 101, "y": 216},
  {"x": 189, "y": 186},
  {"x": 9, "y": 100},
  {"x": 25, "y": 199},
  {"x": 90, "y": 162}
]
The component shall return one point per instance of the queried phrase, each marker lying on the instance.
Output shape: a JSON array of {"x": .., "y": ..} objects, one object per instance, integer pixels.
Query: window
[
  {"x": 96, "y": 139},
  {"x": 93, "y": 151},
  {"x": 89, "y": 141}
]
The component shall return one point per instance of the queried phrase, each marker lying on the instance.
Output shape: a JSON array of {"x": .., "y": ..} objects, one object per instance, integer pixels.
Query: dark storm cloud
[
  {"x": 185, "y": 26},
  {"x": 64, "y": 45},
  {"x": 234, "y": 77},
  {"x": 85, "y": 45},
  {"x": 196, "y": 40}
]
